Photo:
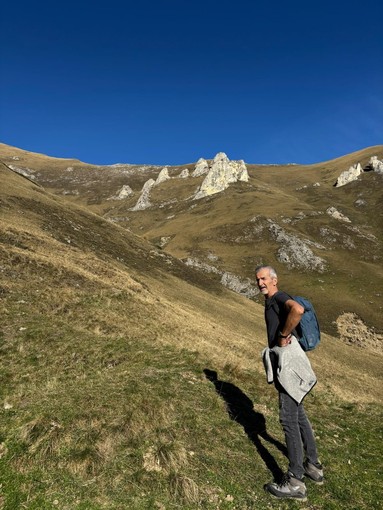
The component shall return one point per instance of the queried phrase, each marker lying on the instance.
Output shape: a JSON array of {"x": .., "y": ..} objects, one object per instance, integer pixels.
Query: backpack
[{"x": 308, "y": 329}]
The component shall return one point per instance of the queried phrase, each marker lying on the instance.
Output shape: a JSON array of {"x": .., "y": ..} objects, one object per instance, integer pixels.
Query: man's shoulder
[
  {"x": 277, "y": 301},
  {"x": 281, "y": 297}
]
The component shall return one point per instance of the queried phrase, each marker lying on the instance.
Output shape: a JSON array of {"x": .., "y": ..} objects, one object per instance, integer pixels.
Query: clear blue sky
[{"x": 170, "y": 81}]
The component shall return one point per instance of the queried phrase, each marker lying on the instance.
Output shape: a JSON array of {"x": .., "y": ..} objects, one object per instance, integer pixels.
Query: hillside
[
  {"x": 280, "y": 216},
  {"x": 108, "y": 347}
]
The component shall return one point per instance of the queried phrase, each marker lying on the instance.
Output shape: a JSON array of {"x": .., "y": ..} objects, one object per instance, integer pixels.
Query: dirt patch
[{"x": 352, "y": 330}]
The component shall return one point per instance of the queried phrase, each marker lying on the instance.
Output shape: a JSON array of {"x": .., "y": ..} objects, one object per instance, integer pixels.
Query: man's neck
[{"x": 271, "y": 294}]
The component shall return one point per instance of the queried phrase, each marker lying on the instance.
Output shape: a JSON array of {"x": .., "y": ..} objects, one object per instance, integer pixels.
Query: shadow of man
[{"x": 240, "y": 409}]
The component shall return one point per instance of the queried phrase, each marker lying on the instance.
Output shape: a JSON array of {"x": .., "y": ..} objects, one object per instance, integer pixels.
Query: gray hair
[{"x": 272, "y": 271}]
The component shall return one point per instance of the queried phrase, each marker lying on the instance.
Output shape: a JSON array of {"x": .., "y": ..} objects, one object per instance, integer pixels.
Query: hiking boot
[
  {"x": 290, "y": 487},
  {"x": 315, "y": 472}
]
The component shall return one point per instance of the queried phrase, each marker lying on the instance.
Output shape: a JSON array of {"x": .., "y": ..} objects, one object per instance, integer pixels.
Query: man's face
[{"x": 266, "y": 284}]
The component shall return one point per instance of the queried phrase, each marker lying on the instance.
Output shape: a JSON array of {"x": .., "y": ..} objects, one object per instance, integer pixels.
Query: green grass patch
[{"x": 111, "y": 420}]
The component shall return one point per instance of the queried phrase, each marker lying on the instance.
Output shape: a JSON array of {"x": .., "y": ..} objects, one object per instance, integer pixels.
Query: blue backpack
[{"x": 308, "y": 329}]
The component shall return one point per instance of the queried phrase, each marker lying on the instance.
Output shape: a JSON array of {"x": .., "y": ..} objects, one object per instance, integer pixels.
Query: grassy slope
[
  {"x": 105, "y": 402},
  {"x": 224, "y": 224},
  {"x": 234, "y": 227}
]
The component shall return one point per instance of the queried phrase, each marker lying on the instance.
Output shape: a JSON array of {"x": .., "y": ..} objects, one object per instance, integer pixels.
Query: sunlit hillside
[
  {"x": 247, "y": 224},
  {"x": 109, "y": 347}
]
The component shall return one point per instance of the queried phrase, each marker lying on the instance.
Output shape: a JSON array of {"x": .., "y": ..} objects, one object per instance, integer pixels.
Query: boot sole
[
  {"x": 295, "y": 498},
  {"x": 317, "y": 482},
  {"x": 286, "y": 496}
]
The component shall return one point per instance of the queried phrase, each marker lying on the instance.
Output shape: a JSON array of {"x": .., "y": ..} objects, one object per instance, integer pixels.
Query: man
[{"x": 282, "y": 316}]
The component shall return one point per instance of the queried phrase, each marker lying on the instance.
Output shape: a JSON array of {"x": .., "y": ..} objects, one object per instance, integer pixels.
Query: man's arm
[{"x": 295, "y": 312}]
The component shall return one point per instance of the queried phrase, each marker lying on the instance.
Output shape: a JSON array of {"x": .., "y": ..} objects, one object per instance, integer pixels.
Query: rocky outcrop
[
  {"x": 333, "y": 237},
  {"x": 294, "y": 252},
  {"x": 201, "y": 168},
  {"x": 184, "y": 174},
  {"x": 25, "y": 172},
  {"x": 164, "y": 240},
  {"x": 376, "y": 165},
  {"x": 353, "y": 331},
  {"x": 125, "y": 192},
  {"x": 352, "y": 174},
  {"x": 349, "y": 175},
  {"x": 162, "y": 176},
  {"x": 332, "y": 211},
  {"x": 222, "y": 172},
  {"x": 144, "y": 201},
  {"x": 245, "y": 287}
]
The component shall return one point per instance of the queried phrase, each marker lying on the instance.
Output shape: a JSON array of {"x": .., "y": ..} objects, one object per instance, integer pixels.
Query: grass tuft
[
  {"x": 184, "y": 489},
  {"x": 165, "y": 456}
]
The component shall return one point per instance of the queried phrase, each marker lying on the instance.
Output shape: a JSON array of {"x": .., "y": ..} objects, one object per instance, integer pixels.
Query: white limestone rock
[
  {"x": 332, "y": 211},
  {"x": 294, "y": 252},
  {"x": 245, "y": 287},
  {"x": 162, "y": 176},
  {"x": 349, "y": 175},
  {"x": 376, "y": 164},
  {"x": 164, "y": 240},
  {"x": 184, "y": 174},
  {"x": 144, "y": 201},
  {"x": 222, "y": 172},
  {"x": 201, "y": 168},
  {"x": 354, "y": 171},
  {"x": 25, "y": 172},
  {"x": 125, "y": 192}
]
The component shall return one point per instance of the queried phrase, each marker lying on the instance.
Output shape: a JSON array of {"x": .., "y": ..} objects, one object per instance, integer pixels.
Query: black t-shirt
[{"x": 275, "y": 315}]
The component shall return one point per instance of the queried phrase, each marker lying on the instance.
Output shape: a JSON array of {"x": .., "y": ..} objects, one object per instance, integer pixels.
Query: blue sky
[{"x": 168, "y": 82}]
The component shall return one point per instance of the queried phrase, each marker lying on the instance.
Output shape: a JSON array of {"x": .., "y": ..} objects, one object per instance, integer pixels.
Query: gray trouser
[{"x": 299, "y": 435}]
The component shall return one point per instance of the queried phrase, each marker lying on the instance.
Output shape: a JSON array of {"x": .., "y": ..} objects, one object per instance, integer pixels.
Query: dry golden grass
[
  {"x": 223, "y": 224},
  {"x": 225, "y": 328}
]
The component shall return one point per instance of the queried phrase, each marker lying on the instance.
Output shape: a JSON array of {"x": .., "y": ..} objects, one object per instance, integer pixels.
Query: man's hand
[{"x": 284, "y": 340}]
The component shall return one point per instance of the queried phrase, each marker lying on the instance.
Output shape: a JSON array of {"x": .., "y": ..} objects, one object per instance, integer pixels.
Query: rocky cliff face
[
  {"x": 144, "y": 201},
  {"x": 376, "y": 165},
  {"x": 125, "y": 192},
  {"x": 356, "y": 170},
  {"x": 201, "y": 168},
  {"x": 349, "y": 175},
  {"x": 221, "y": 173},
  {"x": 162, "y": 176}
]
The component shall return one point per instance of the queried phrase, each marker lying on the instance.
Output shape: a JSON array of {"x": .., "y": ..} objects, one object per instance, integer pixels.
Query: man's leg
[
  {"x": 292, "y": 485},
  {"x": 312, "y": 467},
  {"x": 307, "y": 435},
  {"x": 289, "y": 418}
]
